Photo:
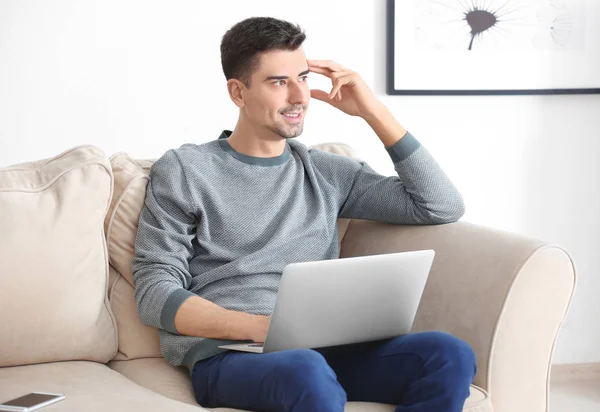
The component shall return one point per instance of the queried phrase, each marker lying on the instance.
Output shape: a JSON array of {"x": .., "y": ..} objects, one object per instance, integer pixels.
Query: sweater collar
[{"x": 261, "y": 161}]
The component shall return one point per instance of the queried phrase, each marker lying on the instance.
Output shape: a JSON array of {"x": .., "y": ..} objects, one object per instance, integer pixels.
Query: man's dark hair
[{"x": 242, "y": 44}]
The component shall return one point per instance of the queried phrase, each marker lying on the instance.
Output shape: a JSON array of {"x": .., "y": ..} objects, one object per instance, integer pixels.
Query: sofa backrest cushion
[
  {"x": 131, "y": 179},
  {"x": 136, "y": 340},
  {"x": 53, "y": 260}
]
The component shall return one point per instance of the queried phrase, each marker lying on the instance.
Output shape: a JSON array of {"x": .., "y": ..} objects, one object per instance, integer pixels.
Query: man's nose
[{"x": 298, "y": 94}]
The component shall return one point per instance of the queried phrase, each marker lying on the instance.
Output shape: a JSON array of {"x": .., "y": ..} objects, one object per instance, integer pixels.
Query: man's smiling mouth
[{"x": 293, "y": 117}]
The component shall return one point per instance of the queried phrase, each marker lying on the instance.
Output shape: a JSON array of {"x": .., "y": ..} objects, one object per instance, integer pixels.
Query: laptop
[{"x": 346, "y": 300}]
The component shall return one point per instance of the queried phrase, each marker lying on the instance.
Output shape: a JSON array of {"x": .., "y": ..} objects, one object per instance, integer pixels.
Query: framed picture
[{"x": 493, "y": 47}]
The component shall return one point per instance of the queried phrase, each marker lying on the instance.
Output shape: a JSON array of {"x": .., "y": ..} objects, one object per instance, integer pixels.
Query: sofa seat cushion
[
  {"x": 174, "y": 382},
  {"x": 87, "y": 386}
]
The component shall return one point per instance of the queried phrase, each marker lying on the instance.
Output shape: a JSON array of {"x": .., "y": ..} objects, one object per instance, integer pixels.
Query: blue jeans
[{"x": 418, "y": 372}]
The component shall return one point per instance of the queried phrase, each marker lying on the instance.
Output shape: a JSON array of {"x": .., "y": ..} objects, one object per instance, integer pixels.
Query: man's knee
[
  {"x": 302, "y": 361},
  {"x": 314, "y": 383},
  {"x": 451, "y": 352},
  {"x": 304, "y": 367}
]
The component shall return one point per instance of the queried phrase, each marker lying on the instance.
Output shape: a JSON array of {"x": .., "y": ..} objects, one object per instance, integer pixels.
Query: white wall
[{"x": 145, "y": 76}]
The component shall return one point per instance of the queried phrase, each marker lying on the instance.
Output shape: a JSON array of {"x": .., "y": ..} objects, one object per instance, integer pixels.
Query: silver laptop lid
[{"x": 348, "y": 300}]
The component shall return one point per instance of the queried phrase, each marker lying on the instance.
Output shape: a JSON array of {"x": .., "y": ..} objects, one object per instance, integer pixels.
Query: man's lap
[
  {"x": 263, "y": 381},
  {"x": 380, "y": 371}
]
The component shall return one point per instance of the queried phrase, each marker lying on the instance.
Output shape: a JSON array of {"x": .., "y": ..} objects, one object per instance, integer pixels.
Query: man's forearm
[
  {"x": 200, "y": 317},
  {"x": 385, "y": 125}
]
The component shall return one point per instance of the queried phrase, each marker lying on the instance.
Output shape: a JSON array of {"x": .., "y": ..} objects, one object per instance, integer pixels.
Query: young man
[{"x": 222, "y": 219}]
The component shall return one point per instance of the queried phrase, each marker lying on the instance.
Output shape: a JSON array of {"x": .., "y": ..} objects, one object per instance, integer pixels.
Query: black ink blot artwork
[{"x": 497, "y": 24}]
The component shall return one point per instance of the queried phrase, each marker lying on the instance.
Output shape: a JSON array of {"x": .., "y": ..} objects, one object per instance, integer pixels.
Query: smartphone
[{"x": 31, "y": 402}]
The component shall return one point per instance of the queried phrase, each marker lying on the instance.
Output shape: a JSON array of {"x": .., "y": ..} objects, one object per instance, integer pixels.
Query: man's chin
[
  {"x": 290, "y": 133},
  {"x": 293, "y": 135}
]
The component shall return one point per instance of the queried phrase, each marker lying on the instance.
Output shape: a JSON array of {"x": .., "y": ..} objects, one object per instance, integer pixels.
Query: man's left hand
[{"x": 349, "y": 93}]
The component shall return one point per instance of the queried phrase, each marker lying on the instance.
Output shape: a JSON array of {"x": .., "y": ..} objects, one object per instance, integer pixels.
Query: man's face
[{"x": 278, "y": 96}]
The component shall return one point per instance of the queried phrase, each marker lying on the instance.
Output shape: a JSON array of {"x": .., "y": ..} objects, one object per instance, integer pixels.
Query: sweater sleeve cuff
[
  {"x": 169, "y": 310},
  {"x": 403, "y": 148}
]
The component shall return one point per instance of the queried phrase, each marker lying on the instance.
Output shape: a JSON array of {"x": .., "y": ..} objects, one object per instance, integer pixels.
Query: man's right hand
[
  {"x": 260, "y": 328},
  {"x": 200, "y": 317}
]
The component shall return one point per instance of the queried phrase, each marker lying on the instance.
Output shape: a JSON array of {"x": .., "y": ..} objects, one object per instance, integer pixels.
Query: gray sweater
[{"x": 222, "y": 225}]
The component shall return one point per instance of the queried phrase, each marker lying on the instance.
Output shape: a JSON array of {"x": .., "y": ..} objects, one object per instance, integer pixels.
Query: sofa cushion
[
  {"x": 175, "y": 383},
  {"x": 131, "y": 179},
  {"x": 336, "y": 147},
  {"x": 87, "y": 386},
  {"x": 159, "y": 376},
  {"x": 136, "y": 340},
  {"x": 54, "y": 271}
]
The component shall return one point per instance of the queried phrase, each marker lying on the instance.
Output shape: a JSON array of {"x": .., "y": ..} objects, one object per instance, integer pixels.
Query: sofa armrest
[{"x": 505, "y": 294}]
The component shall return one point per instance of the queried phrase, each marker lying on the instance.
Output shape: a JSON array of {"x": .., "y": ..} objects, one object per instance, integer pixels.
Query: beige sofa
[{"x": 68, "y": 320}]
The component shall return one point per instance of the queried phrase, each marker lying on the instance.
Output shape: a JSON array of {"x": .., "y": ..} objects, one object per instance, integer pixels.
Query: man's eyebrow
[{"x": 305, "y": 72}]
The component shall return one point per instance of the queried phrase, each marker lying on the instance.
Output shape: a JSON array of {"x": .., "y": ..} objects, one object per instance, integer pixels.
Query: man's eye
[
  {"x": 280, "y": 82},
  {"x": 303, "y": 78}
]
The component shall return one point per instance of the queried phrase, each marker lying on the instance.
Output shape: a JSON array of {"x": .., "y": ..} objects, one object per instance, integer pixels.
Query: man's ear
[{"x": 236, "y": 91}]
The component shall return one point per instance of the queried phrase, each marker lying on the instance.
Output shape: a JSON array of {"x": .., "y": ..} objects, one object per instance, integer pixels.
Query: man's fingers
[
  {"x": 328, "y": 64},
  {"x": 319, "y": 95},
  {"x": 328, "y": 73},
  {"x": 339, "y": 82},
  {"x": 337, "y": 75},
  {"x": 335, "y": 89},
  {"x": 323, "y": 96},
  {"x": 332, "y": 75},
  {"x": 320, "y": 70}
]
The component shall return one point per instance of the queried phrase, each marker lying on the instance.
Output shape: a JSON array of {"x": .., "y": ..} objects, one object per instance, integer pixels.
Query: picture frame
[{"x": 436, "y": 47}]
